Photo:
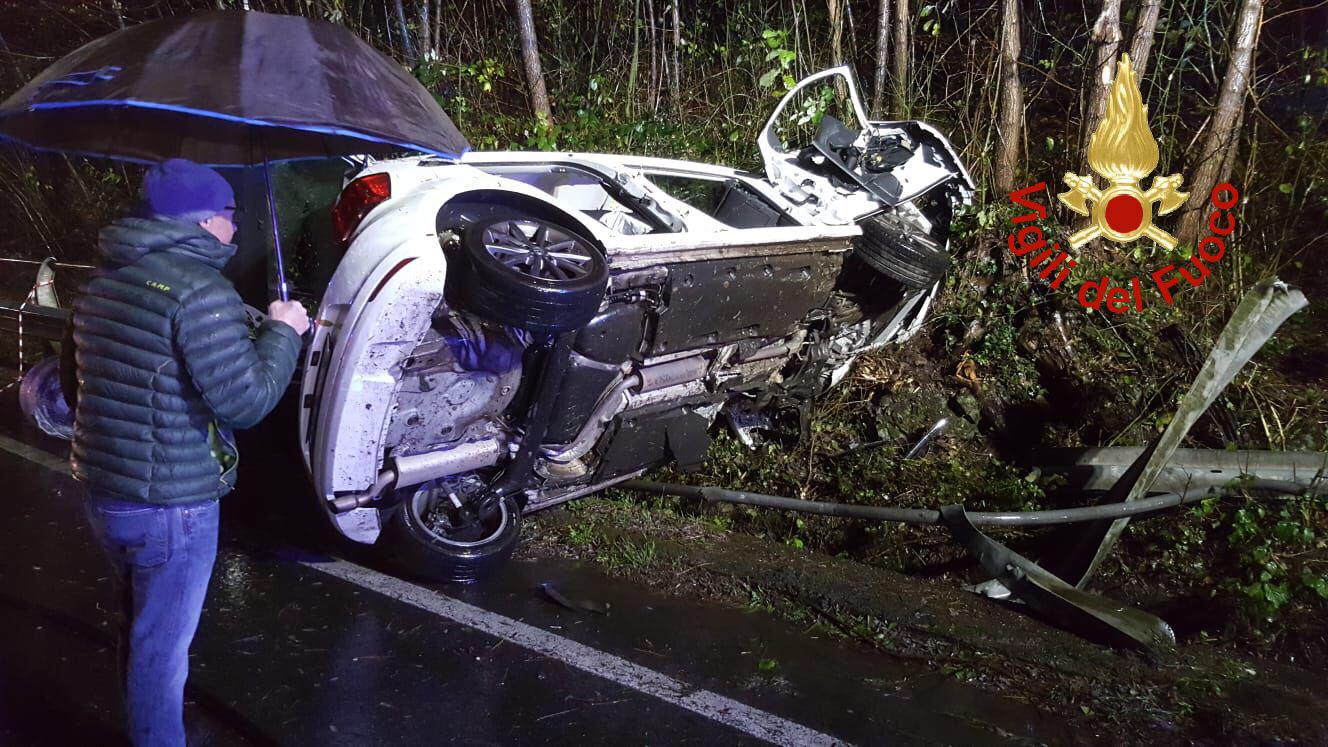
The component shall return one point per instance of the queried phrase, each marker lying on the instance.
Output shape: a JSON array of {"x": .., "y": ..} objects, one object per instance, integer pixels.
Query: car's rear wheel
[
  {"x": 530, "y": 272},
  {"x": 897, "y": 249},
  {"x": 437, "y": 539}
]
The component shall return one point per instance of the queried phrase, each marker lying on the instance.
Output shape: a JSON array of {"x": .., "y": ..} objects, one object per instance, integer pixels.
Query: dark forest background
[{"x": 1013, "y": 82}]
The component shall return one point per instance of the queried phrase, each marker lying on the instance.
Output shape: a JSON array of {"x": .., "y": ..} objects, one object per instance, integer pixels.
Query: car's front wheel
[
  {"x": 898, "y": 249},
  {"x": 439, "y": 533},
  {"x": 530, "y": 272}
]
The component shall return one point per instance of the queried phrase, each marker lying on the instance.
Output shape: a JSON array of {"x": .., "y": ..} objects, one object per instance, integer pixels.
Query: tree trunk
[
  {"x": 663, "y": 37},
  {"x": 539, "y": 95},
  {"x": 836, "y": 9},
  {"x": 1011, "y": 129},
  {"x": 882, "y": 62},
  {"x": 1107, "y": 35},
  {"x": 1224, "y": 129},
  {"x": 634, "y": 71},
  {"x": 438, "y": 26},
  {"x": 1143, "y": 37},
  {"x": 426, "y": 29},
  {"x": 1232, "y": 153},
  {"x": 902, "y": 24},
  {"x": 653, "y": 93},
  {"x": 677, "y": 55},
  {"x": 405, "y": 32}
]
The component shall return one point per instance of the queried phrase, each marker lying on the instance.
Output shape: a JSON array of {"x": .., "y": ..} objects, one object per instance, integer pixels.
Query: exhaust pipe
[
  {"x": 414, "y": 469},
  {"x": 647, "y": 379}
]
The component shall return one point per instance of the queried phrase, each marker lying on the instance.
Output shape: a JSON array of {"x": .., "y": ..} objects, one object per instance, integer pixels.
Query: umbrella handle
[{"x": 283, "y": 290}]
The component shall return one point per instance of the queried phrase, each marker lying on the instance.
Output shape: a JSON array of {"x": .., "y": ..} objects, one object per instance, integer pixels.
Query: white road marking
[
  {"x": 747, "y": 719},
  {"x": 753, "y": 721}
]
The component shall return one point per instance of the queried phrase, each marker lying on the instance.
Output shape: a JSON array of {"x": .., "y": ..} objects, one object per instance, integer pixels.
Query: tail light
[{"x": 355, "y": 202}]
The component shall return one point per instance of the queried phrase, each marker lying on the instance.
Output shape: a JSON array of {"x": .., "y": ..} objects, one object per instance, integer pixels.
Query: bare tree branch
[
  {"x": 836, "y": 11},
  {"x": 408, "y": 43}
]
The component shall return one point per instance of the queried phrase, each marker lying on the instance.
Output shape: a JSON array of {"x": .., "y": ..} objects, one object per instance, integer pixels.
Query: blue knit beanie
[{"x": 183, "y": 190}]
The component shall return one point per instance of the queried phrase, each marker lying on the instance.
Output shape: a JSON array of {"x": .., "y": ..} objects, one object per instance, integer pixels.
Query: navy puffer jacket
[{"x": 166, "y": 367}]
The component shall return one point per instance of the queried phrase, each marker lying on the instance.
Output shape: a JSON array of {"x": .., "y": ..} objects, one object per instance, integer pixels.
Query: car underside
[{"x": 516, "y": 330}]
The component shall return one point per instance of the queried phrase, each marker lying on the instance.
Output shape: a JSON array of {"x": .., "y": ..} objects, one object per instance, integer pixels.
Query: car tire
[
  {"x": 899, "y": 250},
  {"x": 510, "y": 276},
  {"x": 427, "y": 554}
]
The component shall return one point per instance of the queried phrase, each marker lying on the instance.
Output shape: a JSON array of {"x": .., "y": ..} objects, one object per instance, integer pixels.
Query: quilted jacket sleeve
[{"x": 241, "y": 380}]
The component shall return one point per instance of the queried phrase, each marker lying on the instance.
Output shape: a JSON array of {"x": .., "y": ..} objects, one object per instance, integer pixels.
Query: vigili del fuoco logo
[{"x": 1123, "y": 152}]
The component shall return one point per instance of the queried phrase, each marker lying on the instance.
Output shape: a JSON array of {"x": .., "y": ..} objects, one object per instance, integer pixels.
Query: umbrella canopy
[{"x": 228, "y": 88}]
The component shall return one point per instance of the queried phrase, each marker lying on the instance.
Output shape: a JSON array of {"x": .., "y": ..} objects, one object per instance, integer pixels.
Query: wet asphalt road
[{"x": 306, "y": 641}]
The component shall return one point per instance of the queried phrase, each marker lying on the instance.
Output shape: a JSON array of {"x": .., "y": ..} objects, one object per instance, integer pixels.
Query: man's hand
[{"x": 290, "y": 312}]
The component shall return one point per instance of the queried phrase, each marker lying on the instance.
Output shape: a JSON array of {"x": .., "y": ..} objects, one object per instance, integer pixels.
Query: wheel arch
[{"x": 538, "y": 206}]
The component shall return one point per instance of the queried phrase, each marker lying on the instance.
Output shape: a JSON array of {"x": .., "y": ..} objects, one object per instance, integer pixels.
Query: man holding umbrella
[
  {"x": 165, "y": 370},
  {"x": 163, "y": 355}
]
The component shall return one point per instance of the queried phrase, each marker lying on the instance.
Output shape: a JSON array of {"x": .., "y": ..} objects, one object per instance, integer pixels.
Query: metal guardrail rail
[
  {"x": 38, "y": 262},
  {"x": 1099, "y": 469},
  {"x": 42, "y": 322}
]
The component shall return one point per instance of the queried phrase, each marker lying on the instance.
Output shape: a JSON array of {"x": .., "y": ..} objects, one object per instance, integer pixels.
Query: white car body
[{"x": 378, "y": 306}]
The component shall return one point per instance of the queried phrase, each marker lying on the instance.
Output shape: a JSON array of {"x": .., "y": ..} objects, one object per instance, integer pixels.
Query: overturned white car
[{"x": 516, "y": 330}]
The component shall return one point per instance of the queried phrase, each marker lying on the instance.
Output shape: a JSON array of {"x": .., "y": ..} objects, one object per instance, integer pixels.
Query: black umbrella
[{"x": 228, "y": 88}]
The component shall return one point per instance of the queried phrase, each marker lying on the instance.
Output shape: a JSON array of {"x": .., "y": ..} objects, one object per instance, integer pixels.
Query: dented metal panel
[
  {"x": 724, "y": 301},
  {"x": 357, "y": 395}
]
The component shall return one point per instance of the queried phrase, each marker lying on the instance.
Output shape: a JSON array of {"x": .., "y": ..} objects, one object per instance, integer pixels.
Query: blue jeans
[{"x": 163, "y": 558}]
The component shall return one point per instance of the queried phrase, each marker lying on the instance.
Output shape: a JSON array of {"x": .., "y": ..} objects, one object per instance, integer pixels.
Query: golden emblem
[{"x": 1123, "y": 151}]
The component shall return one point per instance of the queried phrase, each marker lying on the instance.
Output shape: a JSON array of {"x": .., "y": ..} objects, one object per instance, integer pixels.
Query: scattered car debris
[
  {"x": 918, "y": 450},
  {"x": 1065, "y": 339},
  {"x": 923, "y": 445},
  {"x": 552, "y": 593},
  {"x": 745, "y": 422}
]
